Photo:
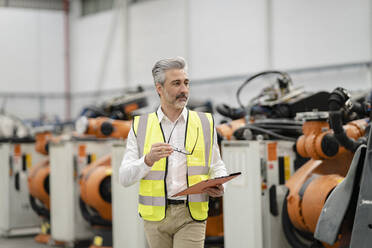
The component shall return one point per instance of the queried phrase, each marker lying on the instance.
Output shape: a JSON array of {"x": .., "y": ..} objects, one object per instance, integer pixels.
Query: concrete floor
[
  {"x": 20, "y": 242},
  {"x": 28, "y": 242}
]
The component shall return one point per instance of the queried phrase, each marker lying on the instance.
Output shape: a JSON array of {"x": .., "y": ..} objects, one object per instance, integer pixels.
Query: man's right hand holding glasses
[{"x": 157, "y": 152}]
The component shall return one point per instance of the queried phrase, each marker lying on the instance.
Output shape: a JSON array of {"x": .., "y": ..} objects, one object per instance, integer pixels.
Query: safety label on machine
[{"x": 272, "y": 151}]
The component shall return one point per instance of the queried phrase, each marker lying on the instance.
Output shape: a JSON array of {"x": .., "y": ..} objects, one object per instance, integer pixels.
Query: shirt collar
[{"x": 162, "y": 116}]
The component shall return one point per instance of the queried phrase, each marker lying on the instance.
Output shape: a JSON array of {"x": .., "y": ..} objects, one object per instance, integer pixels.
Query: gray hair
[{"x": 158, "y": 71}]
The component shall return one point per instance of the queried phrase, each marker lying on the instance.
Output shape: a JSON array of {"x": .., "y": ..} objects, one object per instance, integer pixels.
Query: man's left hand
[{"x": 216, "y": 191}]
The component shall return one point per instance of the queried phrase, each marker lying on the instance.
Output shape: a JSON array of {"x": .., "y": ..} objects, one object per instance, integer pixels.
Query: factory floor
[
  {"x": 28, "y": 242},
  {"x": 20, "y": 242}
]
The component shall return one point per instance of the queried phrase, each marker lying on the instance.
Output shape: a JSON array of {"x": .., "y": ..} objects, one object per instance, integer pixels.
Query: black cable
[
  {"x": 94, "y": 111},
  {"x": 40, "y": 210},
  {"x": 92, "y": 219},
  {"x": 283, "y": 74},
  {"x": 340, "y": 134},
  {"x": 289, "y": 229},
  {"x": 337, "y": 102},
  {"x": 253, "y": 127}
]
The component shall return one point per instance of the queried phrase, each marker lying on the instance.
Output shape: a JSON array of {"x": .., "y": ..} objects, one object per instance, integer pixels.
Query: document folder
[{"x": 199, "y": 187}]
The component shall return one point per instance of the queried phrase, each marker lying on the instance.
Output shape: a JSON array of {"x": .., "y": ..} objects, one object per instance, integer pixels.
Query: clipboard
[{"x": 199, "y": 187}]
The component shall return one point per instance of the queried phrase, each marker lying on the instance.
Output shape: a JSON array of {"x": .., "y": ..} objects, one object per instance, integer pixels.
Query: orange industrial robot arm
[
  {"x": 38, "y": 179},
  {"x": 227, "y": 130},
  {"x": 95, "y": 186},
  {"x": 103, "y": 127},
  {"x": 95, "y": 180},
  {"x": 310, "y": 186},
  {"x": 38, "y": 184}
]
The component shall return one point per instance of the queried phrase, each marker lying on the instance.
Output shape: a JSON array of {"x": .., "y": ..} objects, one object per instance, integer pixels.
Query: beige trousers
[{"x": 176, "y": 230}]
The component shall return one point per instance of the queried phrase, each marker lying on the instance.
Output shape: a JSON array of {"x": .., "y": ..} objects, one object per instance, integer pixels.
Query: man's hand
[
  {"x": 216, "y": 191},
  {"x": 157, "y": 152}
]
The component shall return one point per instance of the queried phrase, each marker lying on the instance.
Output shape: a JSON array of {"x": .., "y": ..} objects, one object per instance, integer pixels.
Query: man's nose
[{"x": 184, "y": 88}]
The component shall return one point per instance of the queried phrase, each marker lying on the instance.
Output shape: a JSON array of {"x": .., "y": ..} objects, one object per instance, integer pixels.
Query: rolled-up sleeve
[{"x": 133, "y": 167}]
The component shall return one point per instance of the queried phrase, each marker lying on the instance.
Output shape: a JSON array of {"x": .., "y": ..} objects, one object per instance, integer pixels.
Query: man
[{"x": 167, "y": 151}]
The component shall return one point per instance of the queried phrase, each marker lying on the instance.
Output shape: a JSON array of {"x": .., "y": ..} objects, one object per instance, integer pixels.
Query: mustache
[{"x": 181, "y": 95}]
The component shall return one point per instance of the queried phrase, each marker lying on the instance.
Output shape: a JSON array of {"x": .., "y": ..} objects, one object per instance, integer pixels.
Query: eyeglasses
[{"x": 183, "y": 151}]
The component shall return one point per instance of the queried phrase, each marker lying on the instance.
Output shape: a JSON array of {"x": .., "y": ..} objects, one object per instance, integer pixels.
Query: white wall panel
[
  {"x": 157, "y": 30},
  {"x": 52, "y": 60},
  {"x": 227, "y": 37},
  {"x": 320, "y": 32},
  {"x": 31, "y": 44},
  {"x": 353, "y": 79},
  {"x": 218, "y": 38},
  {"x": 92, "y": 46}
]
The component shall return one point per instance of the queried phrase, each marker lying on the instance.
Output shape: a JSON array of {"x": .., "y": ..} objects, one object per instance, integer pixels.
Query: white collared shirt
[{"x": 133, "y": 168}]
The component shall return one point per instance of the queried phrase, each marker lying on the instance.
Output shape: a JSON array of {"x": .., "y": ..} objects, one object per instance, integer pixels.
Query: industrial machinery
[
  {"x": 280, "y": 99},
  {"x": 18, "y": 157},
  {"x": 12, "y": 127},
  {"x": 119, "y": 108},
  {"x": 214, "y": 235},
  {"x": 268, "y": 117},
  {"x": 315, "y": 186},
  {"x": 333, "y": 184},
  {"x": 331, "y": 133},
  {"x": 95, "y": 199},
  {"x": 109, "y": 121},
  {"x": 95, "y": 179},
  {"x": 348, "y": 207},
  {"x": 103, "y": 127},
  {"x": 68, "y": 158},
  {"x": 272, "y": 112},
  {"x": 310, "y": 186},
  {"x": 38, "y": 184},
  {"x": 128, "y": 228},
  {"x": 252, "y": 213}
]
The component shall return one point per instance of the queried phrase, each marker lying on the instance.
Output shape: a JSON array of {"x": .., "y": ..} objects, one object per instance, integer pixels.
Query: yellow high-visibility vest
[{"x": 152, "y": 192}]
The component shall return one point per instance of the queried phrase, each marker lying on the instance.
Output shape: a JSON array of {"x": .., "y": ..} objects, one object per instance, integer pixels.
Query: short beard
[
  {"x": 177, "y": 105},
  {"x": 181, "y": 105}
]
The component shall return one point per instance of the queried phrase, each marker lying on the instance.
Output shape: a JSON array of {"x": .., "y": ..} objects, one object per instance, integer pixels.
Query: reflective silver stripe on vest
[
  {"x": 151, "y": 201},
  {"x": 198, "y": 170},
  {"x": 207, "y": 135},
  {"x": 198, "y": 198},
  {"x": 155, "y": 175},
  {"x": 141, "y": 133}
]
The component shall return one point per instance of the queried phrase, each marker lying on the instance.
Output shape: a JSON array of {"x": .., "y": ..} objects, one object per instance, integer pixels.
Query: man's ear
[{"x": 158, "y": 87}]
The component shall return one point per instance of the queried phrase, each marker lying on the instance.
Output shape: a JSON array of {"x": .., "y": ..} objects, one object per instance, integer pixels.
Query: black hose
[
  {"x": 285, "y": 76},
  {"x": 93, "y": 112},
  {"x": 337, "y": 101},
  {"x": 273, "y": 134},
  {"x": 289, "y": 229},
  {"x": 92, "y": 219},
  {"x": 359, "y": 108},
  {"x": 40, "y": 210},
  {"x": 340, "y": 134}
]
